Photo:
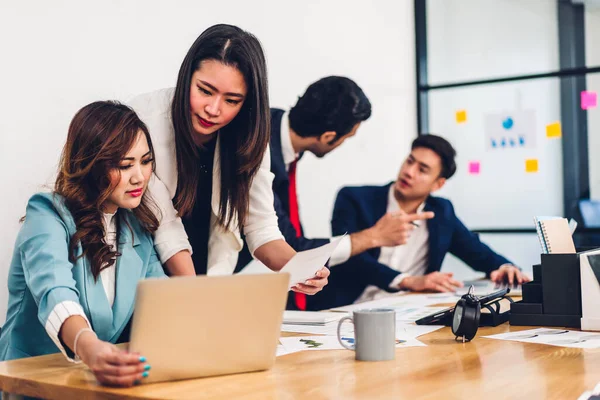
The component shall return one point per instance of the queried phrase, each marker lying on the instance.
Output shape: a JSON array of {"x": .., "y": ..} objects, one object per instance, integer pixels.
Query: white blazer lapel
[{"x": 223, "y": 244}]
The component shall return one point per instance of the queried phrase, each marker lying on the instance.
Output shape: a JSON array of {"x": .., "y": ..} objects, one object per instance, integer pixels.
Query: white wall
[
  {"x": 58, "y": 56},
  {"x": 482, "y": 39}
]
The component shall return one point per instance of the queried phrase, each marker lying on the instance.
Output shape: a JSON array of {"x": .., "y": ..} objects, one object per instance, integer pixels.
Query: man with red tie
[{"x": 330, "y": 111}]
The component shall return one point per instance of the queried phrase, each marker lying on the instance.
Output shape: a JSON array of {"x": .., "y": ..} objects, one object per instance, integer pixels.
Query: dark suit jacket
[
  {"x": 282, "y": 201},
  {"x": 358, "y": 208}
]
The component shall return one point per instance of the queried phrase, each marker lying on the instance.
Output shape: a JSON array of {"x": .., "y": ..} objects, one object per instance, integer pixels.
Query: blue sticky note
[{"x": 507, "y": 123}]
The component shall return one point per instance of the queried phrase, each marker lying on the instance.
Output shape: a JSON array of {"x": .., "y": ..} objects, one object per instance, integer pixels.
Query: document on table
[
  {"x": 313, "y": 318},
  {"x": 329, "y": 329},
  {"x": 403, "y": 301},
  {"x": 403, "y": 330},
  {"x": 411, "y": 314},
  {"x": 553, "y": 337},
  {"x": 305, "y": 264},
  {"x": 331, "y": 343},
  {"x": 414, "y": 331},
  {"x": 282, "y": 351}
]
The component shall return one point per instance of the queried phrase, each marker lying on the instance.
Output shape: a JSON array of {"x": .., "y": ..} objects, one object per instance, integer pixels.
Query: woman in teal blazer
[{"x": 82, "y": 249}]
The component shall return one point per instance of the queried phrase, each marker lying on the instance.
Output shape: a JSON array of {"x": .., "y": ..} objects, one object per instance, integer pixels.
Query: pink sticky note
[
  {"x": 474, "y": 167},
  {"x": 588, "y": 100}
]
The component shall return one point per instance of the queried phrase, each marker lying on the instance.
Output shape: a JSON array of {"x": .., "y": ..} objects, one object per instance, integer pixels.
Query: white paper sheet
[
  {"x": 403, "y": 301},
  {"x": 305, "y": 264},
  {"x": 412, "y": 331},
  {"x": 300, "y": 343},
  {"x": 282, "y": 351},
  {"x": 331, "y": 343},
  {"x": 327, "y": 329},
  {"x": 403, "y": 330},
  {"x": 315, "y": 318},
  {"x": 411, "y": 314},
  {"x": 553, "y": 337},
  {"x": 510, "y": 130}
]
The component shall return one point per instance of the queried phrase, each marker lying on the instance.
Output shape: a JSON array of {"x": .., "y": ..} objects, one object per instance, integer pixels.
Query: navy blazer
[
  {"x": 281, "y": 185},
  {"x": 358, "y": 208}
]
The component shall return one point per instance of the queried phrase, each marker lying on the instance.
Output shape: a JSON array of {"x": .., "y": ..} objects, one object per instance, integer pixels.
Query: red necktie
[{"x": 295, "y": 220}]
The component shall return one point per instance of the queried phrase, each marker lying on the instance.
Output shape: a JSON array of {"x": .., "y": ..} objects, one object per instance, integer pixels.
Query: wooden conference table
[{"x": 445, "y": 369}]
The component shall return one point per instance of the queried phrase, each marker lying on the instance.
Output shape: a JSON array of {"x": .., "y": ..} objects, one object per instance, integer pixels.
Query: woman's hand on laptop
[
  {"x": 111, "y": 365},
  {"x": 315, "y": 284}
]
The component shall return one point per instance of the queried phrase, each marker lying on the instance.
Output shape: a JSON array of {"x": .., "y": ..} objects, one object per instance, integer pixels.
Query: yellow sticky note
[
  {"x": 553, "y": 130},
  {"x": 461, "y": 116},
  {"x": 531, "y": 165}
]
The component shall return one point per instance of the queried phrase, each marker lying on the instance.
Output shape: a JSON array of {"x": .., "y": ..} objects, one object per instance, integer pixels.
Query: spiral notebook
[
  {"x": 538, "y": 227},
  {"x": 557, "y": 237}
]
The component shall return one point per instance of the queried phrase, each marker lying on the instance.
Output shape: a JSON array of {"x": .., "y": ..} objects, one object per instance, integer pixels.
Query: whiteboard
[{"x": 502, "y": 195}]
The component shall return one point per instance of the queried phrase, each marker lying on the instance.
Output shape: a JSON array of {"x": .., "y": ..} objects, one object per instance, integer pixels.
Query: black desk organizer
[{"x": 553, "y": 298}]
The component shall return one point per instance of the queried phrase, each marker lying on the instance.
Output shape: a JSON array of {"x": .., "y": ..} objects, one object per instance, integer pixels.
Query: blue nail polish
[
  {"x": 145, "y": 374},
  {"x": 147, "y": 367},
  {"x": 142, "y": 359}
]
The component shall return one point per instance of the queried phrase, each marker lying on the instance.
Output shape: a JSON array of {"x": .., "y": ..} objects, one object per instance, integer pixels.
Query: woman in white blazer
[{"x": 211, "y": 135}]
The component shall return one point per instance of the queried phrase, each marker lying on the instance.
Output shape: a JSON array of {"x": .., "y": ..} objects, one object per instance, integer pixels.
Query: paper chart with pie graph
[
  {"x": 510, "y": 130},
  {"x": 553, "y": 337}
]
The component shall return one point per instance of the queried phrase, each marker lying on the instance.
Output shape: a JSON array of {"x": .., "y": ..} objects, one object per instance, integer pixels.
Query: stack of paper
[{"x": 313, "y": 318}]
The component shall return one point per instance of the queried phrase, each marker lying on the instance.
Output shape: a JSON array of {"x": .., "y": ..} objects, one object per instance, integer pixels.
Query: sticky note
[
  {"x": 553, "y": 130},
  {"x": 474, "y": 167},
  {"x": 461, "y": 116},
  {"x": 531, "y": 165},
  {"x": 588, "y": 100}
]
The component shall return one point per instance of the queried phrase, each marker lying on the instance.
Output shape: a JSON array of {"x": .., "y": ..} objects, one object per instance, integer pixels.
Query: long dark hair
[
  {"x": 243, "y": 141},
  {"x": 100, "y": 135}
]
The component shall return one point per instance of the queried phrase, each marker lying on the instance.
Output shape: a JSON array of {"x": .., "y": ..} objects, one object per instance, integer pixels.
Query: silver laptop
[{"x": 189, "y": 327}]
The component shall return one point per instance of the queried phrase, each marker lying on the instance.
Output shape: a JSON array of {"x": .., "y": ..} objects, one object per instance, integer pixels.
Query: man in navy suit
[
  {"x": 416, "y": 264},
  {"x": 330, "y": 111}
]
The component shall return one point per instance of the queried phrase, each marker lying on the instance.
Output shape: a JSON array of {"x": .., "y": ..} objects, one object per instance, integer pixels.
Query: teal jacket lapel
[
  {"x": 92, "y": 294},
  {"x": 97, "y": 304},
  {"x": 130, "y": 269}
]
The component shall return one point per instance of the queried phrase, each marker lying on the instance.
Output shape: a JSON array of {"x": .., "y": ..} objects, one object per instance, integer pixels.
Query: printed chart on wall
[
  {"x": 508, "y": 142},
  {"x": 510, "y": 130}
]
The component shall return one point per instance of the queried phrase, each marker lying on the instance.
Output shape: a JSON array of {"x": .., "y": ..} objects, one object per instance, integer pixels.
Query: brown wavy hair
[
  {"x": 100, "y": 135},
  {"x": 243, "y": 141}
]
